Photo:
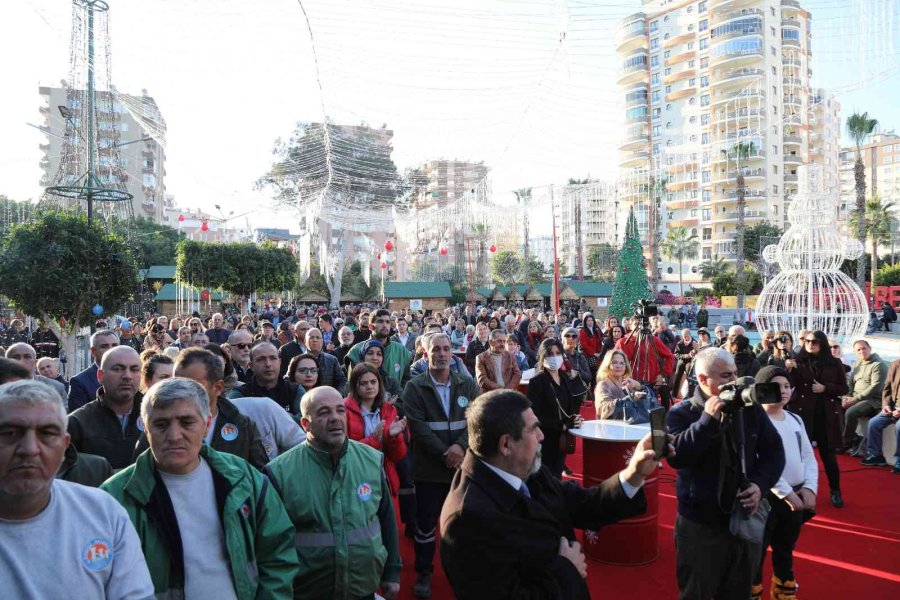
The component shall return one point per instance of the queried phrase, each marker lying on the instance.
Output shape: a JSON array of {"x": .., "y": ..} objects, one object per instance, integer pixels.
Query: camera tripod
[{"x": 645, "y": 351}]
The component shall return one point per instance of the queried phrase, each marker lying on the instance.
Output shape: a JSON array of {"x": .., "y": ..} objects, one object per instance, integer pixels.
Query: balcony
[
  {"x": 717, "y": 5},
  {"x": 743, "y": 95},
  {"x": 738, "y": 57},
  {"x": 790, "y": 178},
  {"x": 743, "y": 114},
  {"x": 632, "y": 34},
  {"x": 791, "y": 61},
  {"x": 685, "y": 93},
  {"x": 634, "y": 74},
  {"x": 678, "y": 39},
  {"x": 681, "y": 204},
  {"x": 738, "y": 76},
  {"x": 678, "y": 58},
  {"x": 790, "y": 23},
  {"x": 634, "y": 141},
  {"x": 790, "y": 43},
  {"x": 793, "y": 159},
  {"x": 749, "y": 215},
  {"x": 681, "y": 186},
  {"x": 633, "y": 158},
  {"x": 791, "y": 4},
  {"x": 724, "y": 157},
  {"x": 689, "y": 223},
  {"x": 793, "y": 139},
  {"x": 792, "y": 82},
  {"x": 719, "y": 16},
  {"x": 726, "y": 196},
  {"x": 749, "y": 176},
  {"x": 687, "y": 73},
  {"x": 632, "y": 102}
]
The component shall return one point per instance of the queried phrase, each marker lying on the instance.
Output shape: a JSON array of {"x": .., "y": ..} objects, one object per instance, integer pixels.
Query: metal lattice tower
[{"x": 90, "y": 173}]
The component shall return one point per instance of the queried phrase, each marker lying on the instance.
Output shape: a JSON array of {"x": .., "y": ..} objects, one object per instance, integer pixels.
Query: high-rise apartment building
[
  {"x": 881, "y": 158},
  {"x": 448, "y": 179},
  {"x": 128, "y": 156},
  {"x": 587, "y": 216},
  {"x": 712, "y": 87},
  {"x": 825, "y": 138}
]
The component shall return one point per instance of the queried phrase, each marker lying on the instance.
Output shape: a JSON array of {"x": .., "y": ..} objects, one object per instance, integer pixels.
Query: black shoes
[
  {"x": 836, "y": 499},
  {"x": 873, "y": 461}
]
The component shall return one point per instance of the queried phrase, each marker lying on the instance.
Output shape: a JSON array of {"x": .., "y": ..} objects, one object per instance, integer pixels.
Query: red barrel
[{"x": 631, "y": 541}]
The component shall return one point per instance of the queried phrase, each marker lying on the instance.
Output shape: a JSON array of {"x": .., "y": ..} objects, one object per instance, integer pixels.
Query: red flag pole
[
  {"x": 471, "y": 274},
  {"x": 555, "y": 258}
]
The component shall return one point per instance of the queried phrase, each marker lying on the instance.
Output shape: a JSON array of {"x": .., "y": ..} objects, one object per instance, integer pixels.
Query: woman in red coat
[
  {"x": 373, "y": 421},
  {"x": 591, "y": 339},
  {"x": 819, "y": 382}
]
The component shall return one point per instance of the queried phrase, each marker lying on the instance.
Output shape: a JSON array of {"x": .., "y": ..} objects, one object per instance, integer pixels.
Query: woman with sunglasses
[
  {"x": 157, "y": 338},
  {"x": 782, "y": 352},
  {"x": 819, "y": 382}
]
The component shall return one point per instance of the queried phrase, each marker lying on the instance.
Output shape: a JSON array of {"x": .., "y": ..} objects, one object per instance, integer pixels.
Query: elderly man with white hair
[
  {"x": 211, "y": 524},
  {"x": 711, "y": 562},
  {"x": 26, "y": 356},
  {"x": 82, "y": 532}
]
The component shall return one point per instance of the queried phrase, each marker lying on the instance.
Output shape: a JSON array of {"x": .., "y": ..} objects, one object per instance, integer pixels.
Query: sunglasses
[
  {"x": 836, "y": 347},
  {"x": 243, "y": 346},
  {"x": 812, "y": 341},
  {"x": 570, "y": 335},
  {"x": 784, "y": 339},
  {"x": 307, "y": 370}
]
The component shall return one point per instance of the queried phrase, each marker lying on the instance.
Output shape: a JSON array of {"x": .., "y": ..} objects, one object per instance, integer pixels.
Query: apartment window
[
  {"x": 668, "y": 107},
  {"x": 704, "y": 100},
  {"x": 704, "y": 62},
  {"x": 774, "y": 109},
  {"x": 704, "y": 25},
  {"x": 772, "y": 8},
  {"x": 693, "y": 119},
  {"x": 707, "y": 214},
  {"x": 775, "y": 129},
  {"x": 666, "y": 19},
  {"x": 775, "y": 169},
  {"x": 772, "y": 49},
  {"x": 669, "y": 143},
  {"x": 896, "y": 147},
  {"x": 704, "y": 119},
  {"x": 690, "y": 9},
  {"x": 670, "y": 160},
  {"x": 774, "y": 149},
  {"x": 654, "y": 79},
  {"x": 654, "y": 43},
  {"x": 667, "y": 71},
  {"x": 692, "y": 81},
  {"x": 704, "y": 81},
  {"x": 667, "y": 54},
  {"x": 691, "y": 27},
  {"x": 707, "y": 196},
  {"x": 694, "y": 195},
  {"x": 707, "y": 234},
  {"x": 694, "y": 212},
  {"x": 704, "y": 43},
  {"x": 654, "y": 96},
  {"x": 656, "y": 146},
  {"x": 773, "y": 30},
  {"x": 668, "y": 91},
  {"x": 656, "y": 113},
  {"x": 693, "y": 138},
  {"x": 706, "y": 176},
  {"x": 690, "y": 46},
  {"x": 693, "y": 100},
  {"x": 691, "y": 63},
  {"x": 669, "y": 126},
  {"x": 888, "y": 159},
  {"x": 774, "y": 189},
  {"x": 774, "y": 90},
  {"x": 654, "y": 25},
  {"x": 701, "y": 7},
  {"x": 774, "y": 71},
  {"x": 654, "y": 61},
  {"x": 704, "y": 139}
]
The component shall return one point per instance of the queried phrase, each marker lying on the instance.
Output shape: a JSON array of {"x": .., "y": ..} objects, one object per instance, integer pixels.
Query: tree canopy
[
  {"x": 151, "y": 243},
  {"x": 506, "y": 268},
  {"x": 239, "y": 268},
  {"x": 59, "y": 267}
]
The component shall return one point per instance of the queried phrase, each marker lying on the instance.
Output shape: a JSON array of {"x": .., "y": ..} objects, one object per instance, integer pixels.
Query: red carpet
[{"x": 843, "y": 554}]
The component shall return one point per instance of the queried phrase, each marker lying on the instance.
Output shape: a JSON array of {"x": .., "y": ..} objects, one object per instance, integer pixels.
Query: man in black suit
[{"x": 508, "y": 525}]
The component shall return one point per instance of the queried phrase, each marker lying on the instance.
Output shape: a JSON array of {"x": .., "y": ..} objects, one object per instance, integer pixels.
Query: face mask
[{"x": 553, "y": 362}]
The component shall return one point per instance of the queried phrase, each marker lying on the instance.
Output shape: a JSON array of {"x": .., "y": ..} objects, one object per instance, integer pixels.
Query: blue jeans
[{"x": 877, "y": 426}]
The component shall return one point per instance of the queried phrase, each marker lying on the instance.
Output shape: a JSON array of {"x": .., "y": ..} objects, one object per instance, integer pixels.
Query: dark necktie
[{"x": 524, "y": 489}]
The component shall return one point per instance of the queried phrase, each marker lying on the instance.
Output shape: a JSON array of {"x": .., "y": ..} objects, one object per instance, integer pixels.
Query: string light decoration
[{"x": 811, "y": 292}]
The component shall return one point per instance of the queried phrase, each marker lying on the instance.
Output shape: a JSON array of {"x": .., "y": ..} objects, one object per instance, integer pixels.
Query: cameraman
[{"x": 712, "y": 563}]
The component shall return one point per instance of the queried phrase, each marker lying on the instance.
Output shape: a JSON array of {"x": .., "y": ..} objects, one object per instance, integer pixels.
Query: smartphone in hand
[{"x": 658, "y": 434}]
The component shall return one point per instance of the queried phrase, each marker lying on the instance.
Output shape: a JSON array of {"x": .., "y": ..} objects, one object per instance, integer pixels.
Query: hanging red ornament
[
  {"x": 180, "y": 218},
  {"x": 443, "y": 252},
  {"x": 388, "y": 246},
  {"x": 204, "y": 227},
  {"x": 493, "y": 248},
  {"x": 384, "y": 265},
  {"x": 379, "y": 256},
  {"x": 204, "y": 295}
]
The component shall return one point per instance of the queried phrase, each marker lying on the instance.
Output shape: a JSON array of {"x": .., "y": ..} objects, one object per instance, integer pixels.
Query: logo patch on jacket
[
  {"x": 245, "y": 510},
  {"x": 139, "y": 423},
  {"x": 97, "y": 554},
  {"x": 229, "y": 432},
  {"x": 364, "y": 492},
  {"x": 462, "y": 402}
]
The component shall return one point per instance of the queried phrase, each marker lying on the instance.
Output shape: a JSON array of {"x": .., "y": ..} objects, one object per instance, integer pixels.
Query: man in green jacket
[
  {"x": 396, "y": 357},
  {"x": 209, "y": 525},
  {"x": 435, "y": 404},
  {"x": 866, "y": 384},
  {"x": 336, "y": 495}
]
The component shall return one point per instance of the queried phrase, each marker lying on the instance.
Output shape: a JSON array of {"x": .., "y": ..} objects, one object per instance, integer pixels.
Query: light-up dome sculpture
[{"x": 811, "y": 292}]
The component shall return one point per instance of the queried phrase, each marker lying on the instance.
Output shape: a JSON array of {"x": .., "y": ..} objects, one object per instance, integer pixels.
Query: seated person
[{"x": 614, "y": 385}]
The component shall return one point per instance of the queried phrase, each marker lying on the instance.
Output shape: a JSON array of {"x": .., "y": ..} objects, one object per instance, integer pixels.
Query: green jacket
[
  {"x": 396, "y": 359},
  {"x": 346, "y": 531},
  {"x": 258, "y": 532},
  {"x": 867, "y": 380},
  {"x": 431, "y": 429}
]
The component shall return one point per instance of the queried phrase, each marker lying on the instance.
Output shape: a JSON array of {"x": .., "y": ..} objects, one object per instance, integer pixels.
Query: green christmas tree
[{"x": 631, "y": 273}]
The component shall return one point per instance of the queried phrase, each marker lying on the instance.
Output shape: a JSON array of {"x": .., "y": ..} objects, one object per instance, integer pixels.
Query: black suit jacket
[{"x": 496, "y": 543}]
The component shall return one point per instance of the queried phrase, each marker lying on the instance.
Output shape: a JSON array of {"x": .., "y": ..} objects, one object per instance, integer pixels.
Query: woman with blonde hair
[{"x": 614, "y": 384}]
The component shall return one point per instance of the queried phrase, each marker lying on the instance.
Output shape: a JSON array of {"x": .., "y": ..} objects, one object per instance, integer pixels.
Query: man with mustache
[
  {"x": 43, "y": 520},
  {"x": 508, "y": 524},
  {"x": 110, "y": 425}
]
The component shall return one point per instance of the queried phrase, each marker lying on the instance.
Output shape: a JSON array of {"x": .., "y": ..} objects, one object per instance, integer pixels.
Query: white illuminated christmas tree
[{"x": 811, "y": 292}]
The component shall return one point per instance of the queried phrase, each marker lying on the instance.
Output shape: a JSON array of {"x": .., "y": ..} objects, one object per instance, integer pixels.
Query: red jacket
[
  {"x": 591, "y": 344},
  {"x": 393, "y": 447},
  {"x": 648, "y": 366}
]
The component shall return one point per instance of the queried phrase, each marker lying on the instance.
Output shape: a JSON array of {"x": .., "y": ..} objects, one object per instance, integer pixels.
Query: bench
[{"x": 888, "y": 440}]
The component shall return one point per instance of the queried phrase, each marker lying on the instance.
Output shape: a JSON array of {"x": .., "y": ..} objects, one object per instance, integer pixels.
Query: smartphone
[{"x": 658, "y": 432}]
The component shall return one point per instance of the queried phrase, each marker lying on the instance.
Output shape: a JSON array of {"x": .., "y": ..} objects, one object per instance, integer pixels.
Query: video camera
[
  {"x": 644, "y": 309},
  {"x": 745, "y": 392}
]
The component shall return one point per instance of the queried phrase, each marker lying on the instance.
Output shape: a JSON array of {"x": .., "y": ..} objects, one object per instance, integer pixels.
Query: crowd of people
[{"x": 260, "y": 455}]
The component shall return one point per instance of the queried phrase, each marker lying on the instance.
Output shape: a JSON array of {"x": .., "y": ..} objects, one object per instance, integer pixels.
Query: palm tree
[
  {"x": 711, "y": 267},
  {"x": 859, "y": 127},
  {"x": 877, "y": 222},
  {"x": 679, "y": 245},
  {"x": 480, "y": 235},
  {"x": 741, "y": 153}
]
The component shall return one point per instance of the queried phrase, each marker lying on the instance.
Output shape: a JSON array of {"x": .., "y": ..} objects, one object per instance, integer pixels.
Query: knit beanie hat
[{"x": 766, "y": 374}]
